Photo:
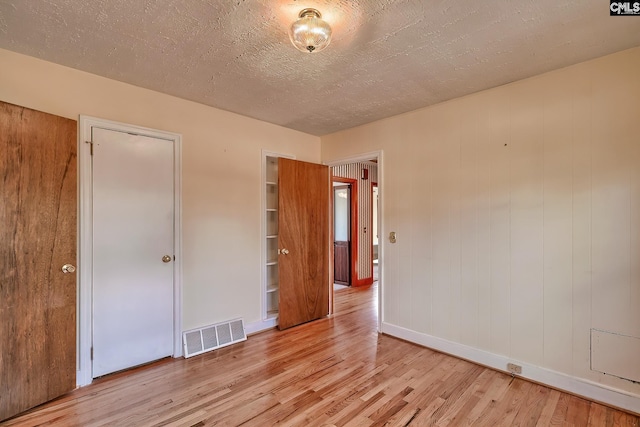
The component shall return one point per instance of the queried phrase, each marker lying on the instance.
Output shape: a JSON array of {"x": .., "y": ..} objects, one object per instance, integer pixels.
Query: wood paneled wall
[
  {"x": 518, "y": 216},
  {"x": 365, "y": 214}
]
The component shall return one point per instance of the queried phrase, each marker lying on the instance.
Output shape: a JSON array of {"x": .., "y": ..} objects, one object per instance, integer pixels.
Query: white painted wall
[
  {"x": 221, "y": 174},
  {"x": 518, "y": 218}
]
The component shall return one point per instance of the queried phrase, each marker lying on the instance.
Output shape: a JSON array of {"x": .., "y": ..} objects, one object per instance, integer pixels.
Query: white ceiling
[{"x": 386, "y": 57}]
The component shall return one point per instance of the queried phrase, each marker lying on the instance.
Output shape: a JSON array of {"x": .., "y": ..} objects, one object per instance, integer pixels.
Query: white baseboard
[
  {"x": 581, "y": 387},
  {"x": 259, "y": 326}
]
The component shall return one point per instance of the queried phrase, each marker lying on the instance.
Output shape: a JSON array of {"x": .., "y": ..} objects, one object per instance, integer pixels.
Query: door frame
[
  {"x": 363, "y": 157},
  {"x": 85, "y": 237},
  {"x": 374, "y": 185},
  {"x": 353, "y": 225}
]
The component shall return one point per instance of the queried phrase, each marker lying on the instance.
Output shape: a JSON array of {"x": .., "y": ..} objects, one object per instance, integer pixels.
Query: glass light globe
[{"x": 310, "y": 33}]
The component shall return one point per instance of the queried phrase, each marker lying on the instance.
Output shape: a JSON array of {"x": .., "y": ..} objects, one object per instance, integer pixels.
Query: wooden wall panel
[
  {"x": 499, "y": 227},
  {"x": 610, "y": 226},
  {"x": 389, "y": 303},
  {"x": 454, "y": 214},
  {"x": 524, "y": 212},
  {"x": 485, "y": 137},
  {"x": 405, "y": 276},
  {"x": 581, "y": 224},
  {"x": 526, "y": 223},
  {"x": 407, "y": 290},
  {"x": 419, "y": 195},
  {"x": 468, "y": 205},
  {"x": 557, "y": 225},
  {"x": 446, "y": 152},
  {"x": 633, "y": 114}
]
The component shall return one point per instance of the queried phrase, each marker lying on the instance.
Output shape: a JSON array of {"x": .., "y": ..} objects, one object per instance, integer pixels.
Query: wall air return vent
[{"x": 201, "y": 340}]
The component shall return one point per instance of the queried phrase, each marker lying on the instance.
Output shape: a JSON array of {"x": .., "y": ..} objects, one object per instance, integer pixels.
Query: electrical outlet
[{"x": 514, "y": 369}]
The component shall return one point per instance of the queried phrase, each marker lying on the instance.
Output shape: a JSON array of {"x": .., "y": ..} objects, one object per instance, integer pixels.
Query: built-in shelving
[{"x": 270, "y": 280}]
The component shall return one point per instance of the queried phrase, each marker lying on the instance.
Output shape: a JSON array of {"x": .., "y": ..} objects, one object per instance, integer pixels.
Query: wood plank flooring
[{"x": 333, "y": 372}]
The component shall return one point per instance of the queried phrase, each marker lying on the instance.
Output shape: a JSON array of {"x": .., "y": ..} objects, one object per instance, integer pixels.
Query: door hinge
[
  {"x": 91, "y": 145},
  {"x": 91, "y": 353}
]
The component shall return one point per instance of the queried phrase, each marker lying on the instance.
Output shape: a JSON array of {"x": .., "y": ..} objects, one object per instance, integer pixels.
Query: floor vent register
[{"x": 202, "y": 340}]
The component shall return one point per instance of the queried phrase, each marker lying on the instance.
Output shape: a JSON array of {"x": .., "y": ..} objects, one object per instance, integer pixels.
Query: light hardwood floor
[{"x": 333, "y": 372}]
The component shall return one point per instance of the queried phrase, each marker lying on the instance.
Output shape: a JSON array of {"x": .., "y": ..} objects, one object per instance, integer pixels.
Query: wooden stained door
[
  {"x": 37, "y": 237},
  {"x": 303, "y": 240},
  {"x": 341, "y": 234}
]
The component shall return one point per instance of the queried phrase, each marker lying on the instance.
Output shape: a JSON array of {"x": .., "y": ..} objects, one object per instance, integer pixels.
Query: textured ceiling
[{"x": 386, "y": 57}]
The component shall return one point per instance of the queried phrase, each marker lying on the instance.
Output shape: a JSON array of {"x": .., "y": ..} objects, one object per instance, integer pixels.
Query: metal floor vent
[{"x": 201, "y": 340}]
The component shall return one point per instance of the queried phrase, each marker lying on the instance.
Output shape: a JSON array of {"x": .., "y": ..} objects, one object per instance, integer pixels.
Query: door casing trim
[{"x": 85, "y": 238}]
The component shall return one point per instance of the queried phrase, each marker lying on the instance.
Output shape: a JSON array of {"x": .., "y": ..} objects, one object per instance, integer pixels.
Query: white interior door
[{"x": 133, "y": 220}]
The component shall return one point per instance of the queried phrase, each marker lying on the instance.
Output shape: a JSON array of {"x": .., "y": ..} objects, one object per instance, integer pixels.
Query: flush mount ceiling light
[{"x": 310, "y": 33}]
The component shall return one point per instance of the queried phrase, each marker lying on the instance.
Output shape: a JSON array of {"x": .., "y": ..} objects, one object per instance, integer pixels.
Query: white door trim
[
  {"x": 381, "y": 242},
  {"x": 85, "y": 238}
]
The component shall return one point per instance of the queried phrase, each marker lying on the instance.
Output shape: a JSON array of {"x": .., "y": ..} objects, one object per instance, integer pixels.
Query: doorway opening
[
  {"x": 374, "y": 230},
  {"x": 341, "y": 235},
  {"x": 362, "y": 173}
]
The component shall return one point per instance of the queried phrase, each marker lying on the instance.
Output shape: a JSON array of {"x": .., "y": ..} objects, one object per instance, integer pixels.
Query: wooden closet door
[
  {"x": 303, "y": 239},
  {"x": 38, "y": 193}
]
